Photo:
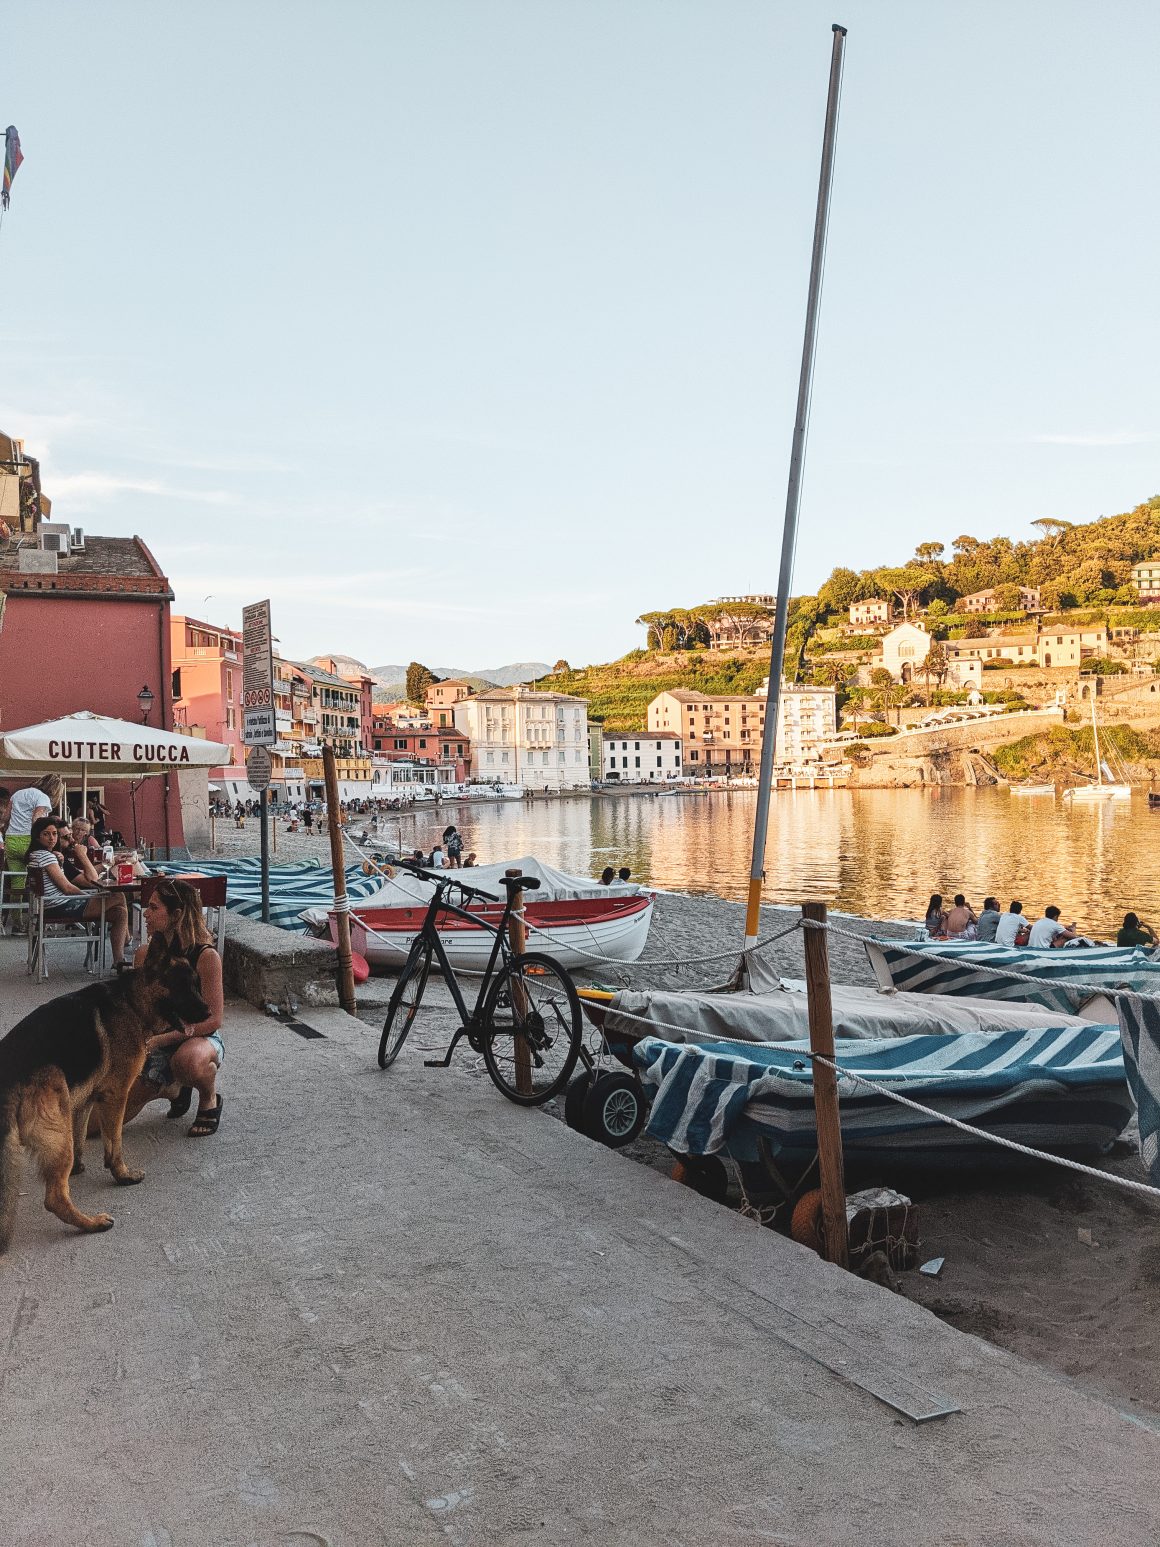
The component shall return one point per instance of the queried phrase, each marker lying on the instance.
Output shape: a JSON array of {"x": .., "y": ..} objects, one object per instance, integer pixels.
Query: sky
[{"x": 468, "y": 330}]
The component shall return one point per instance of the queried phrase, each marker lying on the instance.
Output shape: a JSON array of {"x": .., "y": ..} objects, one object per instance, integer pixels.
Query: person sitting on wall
[
  {"x": 1134, "y": 933},
  {"x": 988, "y": 923},
  {"x": 961, "y": 921},
  {"x": 66, "y": 903},
  {"x": 1048, "y": 932},
  {"x": 1012, "y": 925}
]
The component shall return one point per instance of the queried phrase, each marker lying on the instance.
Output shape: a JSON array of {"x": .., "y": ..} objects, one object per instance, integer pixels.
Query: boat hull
[{"x": 578, "y": 933}]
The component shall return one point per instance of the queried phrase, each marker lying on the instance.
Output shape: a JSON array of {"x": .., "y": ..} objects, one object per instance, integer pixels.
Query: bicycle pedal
[{"x": 433, "y": 1063}]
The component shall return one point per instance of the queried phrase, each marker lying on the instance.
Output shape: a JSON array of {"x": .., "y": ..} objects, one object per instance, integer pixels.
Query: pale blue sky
[{"x": 469, "y": 329}]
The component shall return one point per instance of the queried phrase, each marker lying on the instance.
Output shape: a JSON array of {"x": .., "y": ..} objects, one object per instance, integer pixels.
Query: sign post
[{"x": 259, "y": 727}]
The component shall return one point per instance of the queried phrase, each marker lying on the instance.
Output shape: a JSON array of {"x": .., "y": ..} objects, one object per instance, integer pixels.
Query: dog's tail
[{"x": 11, "y": 1157}]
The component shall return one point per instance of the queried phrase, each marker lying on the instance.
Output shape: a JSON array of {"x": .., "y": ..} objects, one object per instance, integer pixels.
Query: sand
[{"x": 1017, "y": 1271}]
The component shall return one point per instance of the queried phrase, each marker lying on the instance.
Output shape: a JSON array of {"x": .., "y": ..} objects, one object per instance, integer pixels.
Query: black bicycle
[{"x": 526, "y": 1021}]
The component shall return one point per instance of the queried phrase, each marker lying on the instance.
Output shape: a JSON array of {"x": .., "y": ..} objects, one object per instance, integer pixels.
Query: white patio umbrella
[{"x": 96, "y": 747}]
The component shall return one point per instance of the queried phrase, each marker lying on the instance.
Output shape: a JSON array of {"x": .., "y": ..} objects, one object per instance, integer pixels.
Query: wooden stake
[
  {"x": 825, "y": 1086},
  {"x": 345, "y": 964},
  {"x": 518, "y": 940}
]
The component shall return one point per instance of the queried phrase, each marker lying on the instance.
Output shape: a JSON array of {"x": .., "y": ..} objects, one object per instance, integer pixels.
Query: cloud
[
  {"x": 1106, "y": 438},
  {"x": 84, "y": 490}
]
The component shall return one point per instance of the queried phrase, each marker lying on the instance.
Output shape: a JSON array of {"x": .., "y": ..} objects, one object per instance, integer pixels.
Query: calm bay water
[{"x": 879, "y": 853}]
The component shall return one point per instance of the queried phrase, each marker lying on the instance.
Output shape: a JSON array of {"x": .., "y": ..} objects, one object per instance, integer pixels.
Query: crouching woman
[{"x": 180, "y": 1062}]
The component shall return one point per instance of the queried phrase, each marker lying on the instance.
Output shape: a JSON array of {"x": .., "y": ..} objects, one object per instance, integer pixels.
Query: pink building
[{"x": 207, "y": 685}]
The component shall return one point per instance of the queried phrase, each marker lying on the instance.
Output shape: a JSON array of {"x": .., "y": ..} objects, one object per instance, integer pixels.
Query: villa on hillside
[
  {"x": 1146, "y": 579},
  {"x": 906, "y": 647},
  {"x": 875, "y": 609},
  {"x": 984, "y": 601}
]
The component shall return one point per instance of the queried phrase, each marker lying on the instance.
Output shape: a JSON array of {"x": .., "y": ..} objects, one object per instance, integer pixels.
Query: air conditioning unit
[
  {"x": 78, "y": 539},
  {"x": 53, "y": 536}
]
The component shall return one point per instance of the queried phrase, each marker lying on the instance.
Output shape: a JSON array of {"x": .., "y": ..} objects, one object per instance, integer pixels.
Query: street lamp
[{"x": 145, "y": 704}]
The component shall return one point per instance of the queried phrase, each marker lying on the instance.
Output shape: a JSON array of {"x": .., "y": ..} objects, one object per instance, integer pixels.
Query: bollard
[{"x": 825, "y": 1086}]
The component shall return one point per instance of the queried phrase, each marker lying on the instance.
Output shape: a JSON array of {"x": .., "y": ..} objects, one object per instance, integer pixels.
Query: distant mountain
[{"x": 495, "y": 676}]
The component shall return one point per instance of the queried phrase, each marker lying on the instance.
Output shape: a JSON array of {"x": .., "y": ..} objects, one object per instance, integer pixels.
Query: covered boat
[
  {"x": 780, "y": 1013},
  {"x": 577, "y": 931},
  {"x": 1065, "y": 978},
  {"x": 1058, "y": 1088}
]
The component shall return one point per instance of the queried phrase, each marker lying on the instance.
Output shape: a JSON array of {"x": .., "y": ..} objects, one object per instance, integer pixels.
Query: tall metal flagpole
[{"x": 793, "y": 496}]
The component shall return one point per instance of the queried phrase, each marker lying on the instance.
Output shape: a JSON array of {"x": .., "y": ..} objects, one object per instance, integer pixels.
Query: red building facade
[
  {"x": 89, "y": 628},
  {"x": 444, "y": 747}
]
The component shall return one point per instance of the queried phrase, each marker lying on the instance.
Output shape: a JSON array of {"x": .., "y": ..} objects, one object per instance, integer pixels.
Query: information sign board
[
  {"x": 259, "y": 767},
  {"x": 259, "y": 728}
]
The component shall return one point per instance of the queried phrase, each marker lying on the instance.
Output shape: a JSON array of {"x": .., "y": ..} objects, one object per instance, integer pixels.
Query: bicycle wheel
[
  {"x": 404, "y": 1005},
  {"x": 530, "y": 1029}
]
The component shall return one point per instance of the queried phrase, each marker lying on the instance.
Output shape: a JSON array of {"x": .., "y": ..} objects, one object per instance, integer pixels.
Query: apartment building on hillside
[{"x": 1146, "y": 579}]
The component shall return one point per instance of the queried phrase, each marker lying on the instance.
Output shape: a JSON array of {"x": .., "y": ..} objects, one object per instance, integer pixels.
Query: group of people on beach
[{"x": 961, "y": 922}]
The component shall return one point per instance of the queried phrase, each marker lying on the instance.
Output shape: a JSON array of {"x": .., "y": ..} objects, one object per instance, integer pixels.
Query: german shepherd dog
[{"x": 78, "y": 1053}]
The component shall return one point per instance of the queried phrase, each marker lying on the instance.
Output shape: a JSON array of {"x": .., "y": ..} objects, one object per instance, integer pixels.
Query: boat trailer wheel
[{"x": 614, "y": 1109}]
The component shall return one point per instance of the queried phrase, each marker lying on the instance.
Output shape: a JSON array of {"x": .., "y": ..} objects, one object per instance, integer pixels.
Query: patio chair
[
  {"x": 45, "y": 934},
  {"x": 211, "y": 890}
]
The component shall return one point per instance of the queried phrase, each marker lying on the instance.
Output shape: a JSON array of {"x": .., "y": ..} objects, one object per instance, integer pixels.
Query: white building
[
  {"x": 521, "y": 736},
  {"x": 643, "y": 757},
  {"x": 876, "y": 609},
  {"x": 906, "y": 647},
  {"x": 806, "y": 716}
]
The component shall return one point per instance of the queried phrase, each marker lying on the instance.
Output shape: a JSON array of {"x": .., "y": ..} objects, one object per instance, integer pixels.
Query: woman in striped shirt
[{"x": 64, "y": 902}]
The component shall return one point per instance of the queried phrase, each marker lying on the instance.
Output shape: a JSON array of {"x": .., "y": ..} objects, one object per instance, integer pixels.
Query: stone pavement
[{"x": 395, "y": 1309}]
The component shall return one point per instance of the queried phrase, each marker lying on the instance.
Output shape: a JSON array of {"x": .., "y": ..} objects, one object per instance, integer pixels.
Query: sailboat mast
[
  {"x": 1096, "y": 739},
  {"x": 793, "y": 495}
]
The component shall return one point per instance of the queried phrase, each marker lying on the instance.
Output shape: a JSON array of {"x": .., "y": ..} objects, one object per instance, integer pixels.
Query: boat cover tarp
[
  {"x": 305, "y": 884},
  {"x": 404, "y": 889},
  {"x": 701, "y": 1093},
  {"x": 1140, "y": 1034},
  {"x": 782, "y": 1015},
  {"x": 1059, "y": 979}
]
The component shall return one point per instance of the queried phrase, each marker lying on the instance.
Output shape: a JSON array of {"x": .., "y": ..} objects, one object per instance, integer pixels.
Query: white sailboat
[{"x": 1105, "y": 787}]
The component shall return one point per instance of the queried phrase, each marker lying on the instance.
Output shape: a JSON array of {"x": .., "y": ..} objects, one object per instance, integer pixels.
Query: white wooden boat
[
  {"x": 1032, "y": 789},
  {"x": 576, "y": 931}
]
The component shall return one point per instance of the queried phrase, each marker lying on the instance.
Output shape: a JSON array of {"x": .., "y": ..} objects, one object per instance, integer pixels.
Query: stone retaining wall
[{"x": 270, "y": 966}]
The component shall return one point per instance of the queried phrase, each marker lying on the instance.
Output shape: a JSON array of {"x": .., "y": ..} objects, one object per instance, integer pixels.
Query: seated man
[
  {"x": 988, "y": 924},
  {"x": 1011, "y": 925},
  {"x": 1048, "y": 931},
  {"x": 961, "y": 920}
]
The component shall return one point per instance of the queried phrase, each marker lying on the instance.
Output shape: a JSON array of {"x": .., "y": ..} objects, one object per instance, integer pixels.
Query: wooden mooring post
[
  {"x": 341, "y": 905},
  {"x": 518, "y": 940},
  {"x": 825, "y": 1084}
]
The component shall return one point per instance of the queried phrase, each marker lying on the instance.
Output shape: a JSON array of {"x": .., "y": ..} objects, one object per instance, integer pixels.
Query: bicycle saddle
[{"x": 529, "y": 883}]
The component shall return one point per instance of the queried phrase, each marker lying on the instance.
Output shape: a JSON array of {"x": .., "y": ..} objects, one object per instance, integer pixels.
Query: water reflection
[{"x": 875, "y": 852}]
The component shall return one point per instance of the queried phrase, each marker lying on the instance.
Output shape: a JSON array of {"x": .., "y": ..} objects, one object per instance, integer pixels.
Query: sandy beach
[{"x": 1017, "y": 1272}]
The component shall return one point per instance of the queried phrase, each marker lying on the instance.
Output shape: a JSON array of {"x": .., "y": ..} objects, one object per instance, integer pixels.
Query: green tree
[
  {"x": 561, "y": 665},
  {"x": 842, "y": 588},
  {"x": 907, "y": 584},
  {"x": 929, "y": 553},
  {"x": 419, "y": 679},
  {"x": 1006, "y": 598}
]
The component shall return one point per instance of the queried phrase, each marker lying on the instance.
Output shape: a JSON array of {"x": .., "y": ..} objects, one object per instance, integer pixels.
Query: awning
[{"x": 104, "y": 749}]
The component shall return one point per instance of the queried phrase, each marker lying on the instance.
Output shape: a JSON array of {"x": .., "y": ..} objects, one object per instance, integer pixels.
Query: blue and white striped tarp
[
  {"x": 1140, "y": 1034},
  {"x": 1062, "y": 979},
  {"x": 1061, "y": 1088},
  {"x": 305, "y": 884}
]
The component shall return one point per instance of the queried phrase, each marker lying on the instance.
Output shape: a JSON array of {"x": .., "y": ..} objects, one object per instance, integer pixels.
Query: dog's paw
[
  {"x": 78, "y": 1167},
  {"x": 129, "y": 1178},
  {"x": 100, "y": 1222}
]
